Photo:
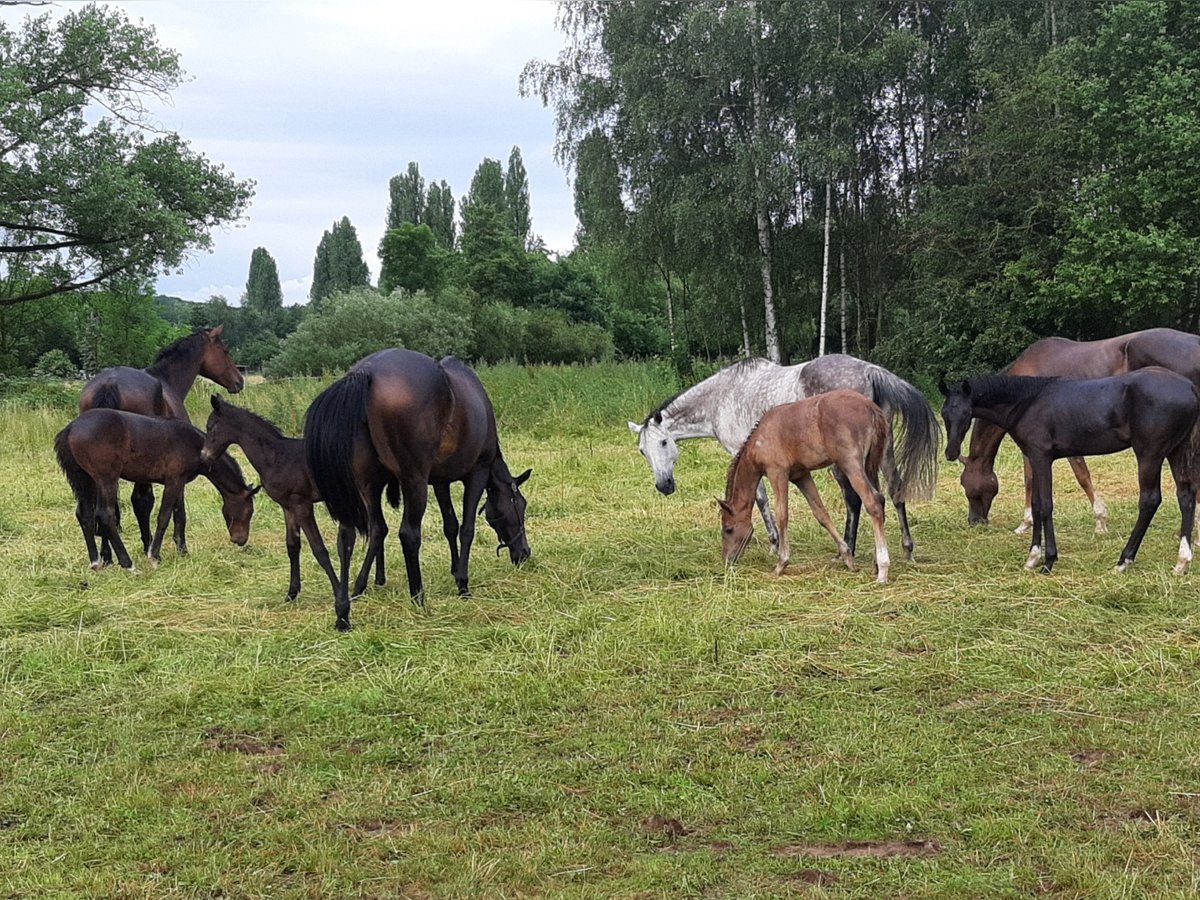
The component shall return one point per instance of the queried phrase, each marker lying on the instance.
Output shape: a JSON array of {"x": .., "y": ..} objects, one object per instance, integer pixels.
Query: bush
[
  {"x": 552, "y": 338},
  {"x": 55, "y": 364}
]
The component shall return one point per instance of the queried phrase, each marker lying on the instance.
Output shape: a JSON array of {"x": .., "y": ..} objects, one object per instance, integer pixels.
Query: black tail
[
  {"x": 108, "y": 396},
  {"x": 334, "y": 423},
  {"x": 911, "y": 469},
  {"x": 82, "y": 485}
]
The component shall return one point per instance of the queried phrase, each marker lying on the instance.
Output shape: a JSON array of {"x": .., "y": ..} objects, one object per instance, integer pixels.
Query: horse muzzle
[{"x": 666, "y": 487}]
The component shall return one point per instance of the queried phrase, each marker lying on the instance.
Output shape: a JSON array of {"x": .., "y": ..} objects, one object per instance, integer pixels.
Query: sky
[{"x": 321, "y": 103}]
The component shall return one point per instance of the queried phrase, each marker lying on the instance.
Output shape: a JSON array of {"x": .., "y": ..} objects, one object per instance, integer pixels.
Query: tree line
[{"x": 929, "y": 183}]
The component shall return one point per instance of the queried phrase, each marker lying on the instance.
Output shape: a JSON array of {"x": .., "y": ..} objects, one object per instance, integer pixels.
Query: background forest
[{"x": 931, "y": 184}]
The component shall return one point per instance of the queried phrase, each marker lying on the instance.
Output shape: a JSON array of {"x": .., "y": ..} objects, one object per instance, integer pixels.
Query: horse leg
[
  {"x": 180, "y": 514},
  {"x": 308, "y": 524},
  {"x": 1185, "y": 492},
  {"x": 106, "y": 515},
  {"x": 868, "y": 489},
  {"x": 85, "y": 515},
  {"x": 341, "y": 595},
  {"x": 779, "y": 485},
  {"x": 450, "y": 529},
  {"x": 291, "y": 537},
  {"x": 1084, "y": 476},
  {"x": 1028, "y": 520},
  {"x": 1042, "y": 508},
  {"x": 906, "y": 538},
  {"x": 853, "y": 508},
  {"x": 416, "y": 498},
  {"x": 1149, "y": 498},
  {"x": 809, "y": 489},
  {"x": 764, "y": 508},
  {"x": 142, "y": 501},
  {"x": 167, "y": 509},
  {"x": 377, "y": 532},
  {"x": 472, "y": 490}
]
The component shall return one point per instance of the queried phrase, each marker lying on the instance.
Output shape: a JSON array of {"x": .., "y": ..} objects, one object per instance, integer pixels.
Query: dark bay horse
[
  {"x": 1151, "y": 410},
  {"x": 839, "y": 428},
  {"x": 421, "y": 423},
  {"x": 727, "y": 405},
  {"x": 159, "y": 390},
  {"x": 1166, "y": 347},
  {"x": 102, "y": 446},
  {"x": 281, "y": 468}
]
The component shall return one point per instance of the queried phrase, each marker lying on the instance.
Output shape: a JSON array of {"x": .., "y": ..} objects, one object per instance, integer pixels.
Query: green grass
[{"x": 620, "y": 717}]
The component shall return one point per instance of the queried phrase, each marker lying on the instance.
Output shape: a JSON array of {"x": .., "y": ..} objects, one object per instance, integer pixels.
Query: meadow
[{"x": 623, "y": 716}]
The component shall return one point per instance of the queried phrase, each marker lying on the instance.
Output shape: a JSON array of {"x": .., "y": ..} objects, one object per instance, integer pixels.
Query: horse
[
  {"x": 1177, "y": 351},
  {"x": 280, "y": 464},
  {"x": 1152, "y": 410},
  {"x": 102, "y": 446},
  {"x": 159, "y": 390},
  {"x": 840, "y": 428},
  {"x": 727, "y": 405},
  {"x": 419, "y": 422}
]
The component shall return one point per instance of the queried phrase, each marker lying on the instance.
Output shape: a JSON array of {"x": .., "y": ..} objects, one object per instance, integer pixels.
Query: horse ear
[
  {"x": 523, "y": 477},
  {"x": 724, "y": 506},
  {"x": 254, "y": 490},
  {"x": 216, "y": 401},
  {"x": 215, "y": 331},
  {"x": 942, "y": 386},
  {"x": 635, "y": 427}
]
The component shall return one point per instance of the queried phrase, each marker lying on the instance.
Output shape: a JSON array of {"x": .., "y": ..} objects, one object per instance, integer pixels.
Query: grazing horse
[
  {"x": 1151, "y": 410},
  {"x": 419, "y": 422},
  {"x": 159, "y": 390},
  {"x": 1166, "y": 347},
  {"x": 727, "y": 405},
  {"x": 838, "y": 428},
  {"x": 101, "y": 446},
  {"x": 279, "y": 461}
]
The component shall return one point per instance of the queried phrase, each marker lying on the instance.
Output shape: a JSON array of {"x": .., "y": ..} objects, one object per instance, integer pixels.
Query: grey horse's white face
[{"x": 660, "y": 450}]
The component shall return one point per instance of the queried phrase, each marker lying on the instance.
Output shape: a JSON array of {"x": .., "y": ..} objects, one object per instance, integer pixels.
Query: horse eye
[
  {"x": 729, "y": 531},
  {"x": 664, "y": 442}
]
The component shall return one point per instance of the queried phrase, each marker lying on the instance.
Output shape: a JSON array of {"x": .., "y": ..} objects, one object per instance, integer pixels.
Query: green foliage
[
  {"x": 406, "y": 198},
  {"x": 263, "y": 291},
  {"x": 121, "y": 327},
  {"x": 84, "y": 198},
  {"x": 550, "y": 337},
  {"x": 439, "y": 214},
  {"x": 516, "y": 197},
  {"x": 411, "y": 259},
  {"x": 338, "y": 265},
  {"x": 354, "y": 324},
  {"x": 55, "y": 364}
]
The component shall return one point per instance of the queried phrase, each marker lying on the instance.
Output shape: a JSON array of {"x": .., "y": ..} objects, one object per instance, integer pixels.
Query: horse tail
[
  {"x": 393, "y": 492},
  {"x": 1190, "y": 460},
  {"x": 912, "y": 467},
  {"x": 82, "y": 484},
  {"x": 107, "y": 396},
  {"x": 335, "y": 420},
  {"x": 881, "y": 436}
]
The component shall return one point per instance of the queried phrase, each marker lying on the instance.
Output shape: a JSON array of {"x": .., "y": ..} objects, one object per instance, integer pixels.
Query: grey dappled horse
[{"x": 728, "y": 405}]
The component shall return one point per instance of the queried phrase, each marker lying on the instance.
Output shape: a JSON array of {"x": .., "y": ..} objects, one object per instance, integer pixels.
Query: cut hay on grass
[{"x": 621, "y": 717}]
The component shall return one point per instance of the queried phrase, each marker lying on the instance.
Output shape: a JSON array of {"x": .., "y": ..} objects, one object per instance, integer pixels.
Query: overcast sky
[{"x": 320, "y": 103}]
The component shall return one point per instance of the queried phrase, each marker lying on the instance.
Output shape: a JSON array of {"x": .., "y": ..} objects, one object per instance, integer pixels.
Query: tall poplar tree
[
  {"x": 338, "y": 265},
  {"x": 263, "y": 291},
  {"x": 439, "y": 214},
  {"x": 516, "y": 196},
  {"x": 406, "y": 198}
]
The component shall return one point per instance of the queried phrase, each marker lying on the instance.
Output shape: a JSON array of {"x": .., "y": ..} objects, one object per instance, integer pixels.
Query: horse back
[
  {"x": 131, "y": 390},
  {"x": 409, "y": 404},
  {"x": 110, "y": 443},
  {"x": 1058, "y": 356},
  {"x": 1177, "y": 351}
]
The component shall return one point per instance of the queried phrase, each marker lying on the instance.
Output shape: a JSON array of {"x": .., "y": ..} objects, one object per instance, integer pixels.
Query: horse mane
[
  {"x": 254, "y": 418},
  {"x": 1011, "y": 387},
  {"x": 737, "y": 459},
  {"x": 750, "y": 362},
  {"x": 180, "y": 348}
]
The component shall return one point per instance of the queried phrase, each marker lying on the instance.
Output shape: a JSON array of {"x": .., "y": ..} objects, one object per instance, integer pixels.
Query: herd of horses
[{"x": 399, "y": 422}]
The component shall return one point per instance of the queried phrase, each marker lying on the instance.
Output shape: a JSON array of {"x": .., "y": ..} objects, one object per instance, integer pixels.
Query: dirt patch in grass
[
  {"x": 1090, "y": 758},
  {"x": 218, "y": 737},
  {"x": 814, "y": 877},
  {"x": 664, "y": 826},
  {"x": 860, "y": 849}
]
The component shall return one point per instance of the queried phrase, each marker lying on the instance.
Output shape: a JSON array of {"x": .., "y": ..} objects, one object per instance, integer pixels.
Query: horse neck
[
  {"x": 226, "y": 476},
  {"x": 985, "y": 441},
  {"x": 179, "y": 370},
  {"x": 257, "y": 440},
  {"x": 742, "y": 484},
  {"x": 1003, "y": 403},
  {"x": 692, "y": 413}
]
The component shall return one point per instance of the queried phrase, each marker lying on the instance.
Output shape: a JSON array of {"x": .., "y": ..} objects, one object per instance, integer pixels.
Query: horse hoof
[
  {"x": 97, "y": 566},
  {"x": 1021, "y": 529},
  {"x": 1180, "y": 568},
  {"x": 291, "y": 598},
  {"x": 342, "y": 625},
  {"x": 1101, "y": 528},
  {"x": 881, "y": 578}
]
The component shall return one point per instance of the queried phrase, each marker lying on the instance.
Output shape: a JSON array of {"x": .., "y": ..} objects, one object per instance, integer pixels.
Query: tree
[
  {"x": 410, "y": 258},
  {"x": 84, "y": 199},
  {"x": 263, "y": 291},
  {"x": 439, "y": 214},
  {"x": 339, "y": 264},
  {"x": 516, "y": 196},
  {"x": 406, "y": 198}
]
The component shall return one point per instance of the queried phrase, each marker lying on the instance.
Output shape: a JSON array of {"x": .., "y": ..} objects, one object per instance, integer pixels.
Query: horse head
[
  {"x": 957, "y": 412},
  {"x": 504, "y": 510},
  {"x": 735, "y": 531},
  {"x": 217, "y": 365},
  {"x": 216, "y": 436},
  {"x": 657, "y": 444}
]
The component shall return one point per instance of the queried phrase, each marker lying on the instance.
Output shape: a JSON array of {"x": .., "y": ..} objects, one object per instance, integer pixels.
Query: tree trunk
[
  {"x": 746, "y": 351},
  {"x": 825, "y": 266},
  {"x": 762, "y": 220},
  {"x": 842, "y": 269}
]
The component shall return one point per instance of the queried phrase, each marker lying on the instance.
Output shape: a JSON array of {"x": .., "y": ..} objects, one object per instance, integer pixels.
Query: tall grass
[{"x": 622, "y": 716}]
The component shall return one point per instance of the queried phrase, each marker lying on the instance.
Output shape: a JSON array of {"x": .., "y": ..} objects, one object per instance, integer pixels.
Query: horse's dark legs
[
  {"x": 341, "y": 595},
  {"x": 303, "y": 516},
  {"x": 85, "y": 515},
  {"x": 377, "y": 532},
  {"x": 1149, "y": 499},
  {"x": 416, "y": 498},
  {"x": 180, "y": 515},
  {"x": 1185, "y": 492},
  {"x": 1084, "y": 476},
  {"x": 167, "y": 509},
  {"x": 142, "y": 501},
  {"x": 106, "y": 515},
  {"x": 853, "y": 508},
  {"x": 450, "y": 527},
  {"x": 473, "y": 489},
  {"x": 906, "y": 538},
  {"x": 291, "y": 537},
  {"x": 1042, "y": 507},
  {"x": 764, "y": 508},
  {"x": 895, "y": 488}
]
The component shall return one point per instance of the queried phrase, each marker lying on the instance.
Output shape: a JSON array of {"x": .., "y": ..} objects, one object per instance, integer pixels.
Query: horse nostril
[{"x": 667, "y": 488}]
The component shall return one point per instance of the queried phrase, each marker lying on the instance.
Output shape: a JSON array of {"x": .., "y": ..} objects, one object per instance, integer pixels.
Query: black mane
[{"x": 180, "y": 348}]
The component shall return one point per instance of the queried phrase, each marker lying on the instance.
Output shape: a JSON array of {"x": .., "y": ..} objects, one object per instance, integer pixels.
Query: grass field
[{"x": 621, "y": 717}]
